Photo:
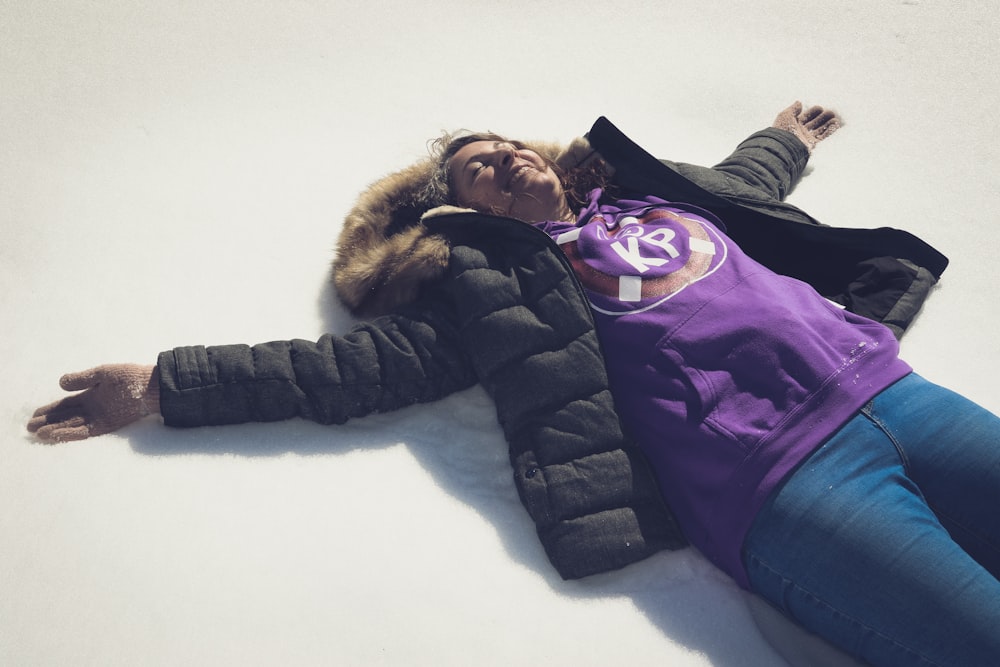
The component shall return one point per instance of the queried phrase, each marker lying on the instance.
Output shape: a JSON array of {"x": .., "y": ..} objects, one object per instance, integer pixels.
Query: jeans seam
[
  {"x": 809, "y": 595},
  {"x": 869, "y": 411}
]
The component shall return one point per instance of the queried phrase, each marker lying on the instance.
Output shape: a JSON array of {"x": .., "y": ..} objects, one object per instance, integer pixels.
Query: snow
[{"x": 175, "y": 173}]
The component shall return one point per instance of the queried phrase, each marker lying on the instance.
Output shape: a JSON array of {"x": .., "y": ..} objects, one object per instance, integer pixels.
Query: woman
[{"x": 791, "y": 444}]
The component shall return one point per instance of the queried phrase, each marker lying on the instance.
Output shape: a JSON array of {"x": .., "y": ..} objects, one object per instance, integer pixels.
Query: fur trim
[
  {"x": 445, "y": 210},
  {"x": 579, "y": 153},
  {"x": 385, "y": 254}
]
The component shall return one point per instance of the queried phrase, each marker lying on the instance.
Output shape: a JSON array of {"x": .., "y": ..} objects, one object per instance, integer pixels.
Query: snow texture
[{"x": 176, "y": 173}]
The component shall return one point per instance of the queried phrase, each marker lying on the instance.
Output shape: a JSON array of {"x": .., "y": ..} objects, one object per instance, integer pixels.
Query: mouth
[{"x": 516, "y": 175}]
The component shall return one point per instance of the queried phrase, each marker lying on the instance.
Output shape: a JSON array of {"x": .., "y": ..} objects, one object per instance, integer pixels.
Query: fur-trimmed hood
[{"x": 385, "y": 253}]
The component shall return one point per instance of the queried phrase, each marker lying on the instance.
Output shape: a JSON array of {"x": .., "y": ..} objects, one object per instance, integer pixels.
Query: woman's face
[{"x": 495, "y": 177}]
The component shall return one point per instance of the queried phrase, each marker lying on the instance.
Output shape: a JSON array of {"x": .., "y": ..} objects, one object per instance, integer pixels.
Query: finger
[
  {"x": 72, "y": 429},
  {"x": 831, "y": 127},
  {"x": 55, "y": 419},
  {"x": 821, "y": 119},
  {"x": 824, "y": 117},
  {"x": 824, "y": 130},
  {"x": 77, "y": 381},
  {"x": 37, "y": 423},
  {"x": 811, "y": 114},
  {"x": 68, "y": 434},
  {"x": 58, "y": 412},
  {"x": 70, "y": 403}
]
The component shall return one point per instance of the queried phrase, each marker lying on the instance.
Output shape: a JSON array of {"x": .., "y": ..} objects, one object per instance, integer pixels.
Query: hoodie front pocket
[{"x": 753, "y": 365}]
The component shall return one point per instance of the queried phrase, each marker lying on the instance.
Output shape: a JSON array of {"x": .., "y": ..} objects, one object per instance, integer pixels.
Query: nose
[{"x": 506, "y": 155}]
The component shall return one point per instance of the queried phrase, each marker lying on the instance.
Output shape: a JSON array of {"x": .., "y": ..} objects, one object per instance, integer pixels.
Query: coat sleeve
[
  {"x": 389, "y": 363},
  {"x": 764, "y": 167}
]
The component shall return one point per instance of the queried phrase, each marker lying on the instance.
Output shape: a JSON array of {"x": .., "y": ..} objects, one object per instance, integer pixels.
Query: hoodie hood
[{"x": 385, "y": 254}]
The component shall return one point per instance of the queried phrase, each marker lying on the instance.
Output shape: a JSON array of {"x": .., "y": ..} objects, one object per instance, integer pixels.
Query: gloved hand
[
  {"x": 112, "y": 396},
  {"x": 811, "y": 126}
]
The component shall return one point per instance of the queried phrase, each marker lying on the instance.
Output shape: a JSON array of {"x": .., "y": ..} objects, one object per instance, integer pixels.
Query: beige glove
[
  {"x": 811, "y": 126},
  {"x": 112, "y": 396}
]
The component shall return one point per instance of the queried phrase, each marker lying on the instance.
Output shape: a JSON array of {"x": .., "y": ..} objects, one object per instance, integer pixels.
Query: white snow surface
[{"x": 176, "y": 173}]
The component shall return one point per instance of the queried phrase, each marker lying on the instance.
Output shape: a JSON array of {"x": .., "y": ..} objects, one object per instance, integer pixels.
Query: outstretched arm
[
  {"x": 811, "y": 126},
  {"x": 771, "y": 161},
  {"x": 379, "y": 366}
]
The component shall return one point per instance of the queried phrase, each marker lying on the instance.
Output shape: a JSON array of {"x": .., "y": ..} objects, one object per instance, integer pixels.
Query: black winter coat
[{"x": 505, "y": 310}]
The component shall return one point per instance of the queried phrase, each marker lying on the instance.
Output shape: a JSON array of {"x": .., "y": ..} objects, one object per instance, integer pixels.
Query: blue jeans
[{"x": 886, "y": 541}]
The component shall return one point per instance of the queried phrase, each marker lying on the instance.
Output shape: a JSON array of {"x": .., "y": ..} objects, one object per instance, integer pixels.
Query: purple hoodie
[{"x": 727, "y": 374}]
